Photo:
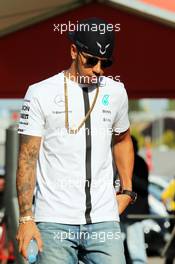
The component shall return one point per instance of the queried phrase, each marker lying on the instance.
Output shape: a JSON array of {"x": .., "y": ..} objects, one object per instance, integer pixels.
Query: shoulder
[
  {"x": 115, "y": 87},
  {"x": 45, "y": 87}
]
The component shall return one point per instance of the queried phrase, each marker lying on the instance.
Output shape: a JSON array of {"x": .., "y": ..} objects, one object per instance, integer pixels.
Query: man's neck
[{"x": 72, "y": 74}]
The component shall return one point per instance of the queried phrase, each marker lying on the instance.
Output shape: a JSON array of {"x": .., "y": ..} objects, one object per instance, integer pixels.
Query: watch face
[{"x": 134, "y": 197}]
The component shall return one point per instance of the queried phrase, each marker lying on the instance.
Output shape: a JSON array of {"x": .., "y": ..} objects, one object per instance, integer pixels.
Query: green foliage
[
  {"x": 138, "y": 136},
  {"x": 171, "y": 105},
  {"x": 168, "y": 138},
  {"x": 134, "y": 105}
]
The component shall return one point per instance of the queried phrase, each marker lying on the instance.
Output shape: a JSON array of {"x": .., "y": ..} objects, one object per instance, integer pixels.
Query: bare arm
[
  {"x": 25, "y": 183},
  {"x": 124, "y": 159}
]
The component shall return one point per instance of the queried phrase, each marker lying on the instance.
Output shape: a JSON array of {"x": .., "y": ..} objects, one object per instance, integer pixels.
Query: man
[{"x": 65, "y": 146}]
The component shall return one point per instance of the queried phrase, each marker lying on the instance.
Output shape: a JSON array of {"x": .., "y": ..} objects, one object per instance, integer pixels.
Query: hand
[
  {"x": 25, "y": 233},
  {"x": 123, "y": 201}
]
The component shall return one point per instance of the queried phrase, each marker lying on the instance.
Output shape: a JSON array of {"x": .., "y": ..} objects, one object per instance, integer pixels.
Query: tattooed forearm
[{"x": 25, "y": 181}]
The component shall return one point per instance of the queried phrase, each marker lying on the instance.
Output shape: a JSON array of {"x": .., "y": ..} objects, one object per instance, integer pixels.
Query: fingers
[
  {"x": 25, "y": 233},
  {"x": 39, "y": 241},
  {"x": 24, "y": 247},
  {"x": 20, "y": 242}
]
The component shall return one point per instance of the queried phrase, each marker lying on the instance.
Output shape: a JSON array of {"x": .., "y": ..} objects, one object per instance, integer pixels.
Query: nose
[{"x": 97, "y": 68}]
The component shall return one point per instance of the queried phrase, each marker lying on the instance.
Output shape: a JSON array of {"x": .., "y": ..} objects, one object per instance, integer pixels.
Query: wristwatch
[{"x": 132, "y": 194}]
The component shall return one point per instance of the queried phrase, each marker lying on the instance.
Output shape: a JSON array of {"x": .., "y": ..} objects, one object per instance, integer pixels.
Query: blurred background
[{"x": 32, "y": 48}]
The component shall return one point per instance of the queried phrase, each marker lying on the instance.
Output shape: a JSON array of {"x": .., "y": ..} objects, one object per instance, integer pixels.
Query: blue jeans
[{"x": 97, "y": 243}]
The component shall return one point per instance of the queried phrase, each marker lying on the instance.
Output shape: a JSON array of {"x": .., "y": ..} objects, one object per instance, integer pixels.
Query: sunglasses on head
[{"x": 92, "y": 61}]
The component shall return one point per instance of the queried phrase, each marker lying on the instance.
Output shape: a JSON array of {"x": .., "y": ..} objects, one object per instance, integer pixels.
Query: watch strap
[{"x": 130, "y": 193}]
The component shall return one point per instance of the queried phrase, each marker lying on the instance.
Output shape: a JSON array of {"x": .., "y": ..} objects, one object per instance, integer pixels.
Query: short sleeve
[
  {"x": 121, "y": 121},
  {"x": 32, "y": 118}
]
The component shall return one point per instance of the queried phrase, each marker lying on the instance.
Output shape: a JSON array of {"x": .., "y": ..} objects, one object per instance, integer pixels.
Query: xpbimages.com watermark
[
  {"x": 68, "y": 183},
  {"x": 61, "y": 28},
  {"x": 94, "y": 79},
  {"x": 85, "y": 235}
]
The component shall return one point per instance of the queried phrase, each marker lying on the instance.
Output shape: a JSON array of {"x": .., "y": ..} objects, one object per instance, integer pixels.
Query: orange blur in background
[{"x": 164, "y": 4}]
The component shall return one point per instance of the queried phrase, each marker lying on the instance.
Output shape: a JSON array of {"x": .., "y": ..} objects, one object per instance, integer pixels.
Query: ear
[{"x": 74, "y": 51}]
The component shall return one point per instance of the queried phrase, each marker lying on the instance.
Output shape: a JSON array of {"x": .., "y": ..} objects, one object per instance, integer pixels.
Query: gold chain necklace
[{"x": 76, "y": 130}]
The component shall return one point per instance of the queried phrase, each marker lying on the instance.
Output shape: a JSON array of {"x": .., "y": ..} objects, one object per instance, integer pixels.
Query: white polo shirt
[{"x": 74, "y": 171}]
